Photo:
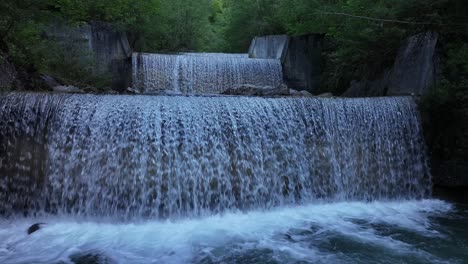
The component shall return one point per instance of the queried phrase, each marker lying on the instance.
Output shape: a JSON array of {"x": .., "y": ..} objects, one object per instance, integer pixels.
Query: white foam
[{"x": 186, "y": 240}]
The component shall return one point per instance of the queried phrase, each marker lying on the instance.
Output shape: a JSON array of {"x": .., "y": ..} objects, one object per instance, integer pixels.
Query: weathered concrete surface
[
  {"x": 113, "y": 54},
  {"x": 300, "y": 57},
  {"x": 302, "y": 62},
  {"x": 269, "y": 47},
  {"x": 415, "y": 66},
  {"x": 109, "y": 48},
  {"x": 413, "y": 73}
]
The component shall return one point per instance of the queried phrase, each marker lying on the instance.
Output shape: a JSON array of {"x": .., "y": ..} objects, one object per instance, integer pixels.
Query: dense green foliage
[
  {"x": 363, "y": 35},
  {"x": 154, "y": 25}
]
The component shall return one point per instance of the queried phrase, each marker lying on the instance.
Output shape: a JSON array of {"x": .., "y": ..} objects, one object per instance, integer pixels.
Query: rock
[
  {"x": 67, "y": 89},
  {"x": 281, "y": 90},
  {"x": 130, "y": 90},
  {"x": 247, "y": 90},
  {"x": 293, "y": 92},
  {"x": 91, "y": 258},
  {"x": 302, "y": 93},
  {"x": 35, "y": 228},
  {"x": 253, "y": 90},
  {"x": 90, "y": 89},
  {"x": 49, "y": 82},
  {"x": 306, "y": 93},
  {"x": 325, "y": 95},
  {"x": 300, "y": 57}
]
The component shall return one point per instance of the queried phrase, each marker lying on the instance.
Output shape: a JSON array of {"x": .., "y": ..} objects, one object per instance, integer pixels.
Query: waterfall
[
  {"x": 203, "y": 72},
  {"x": 157, "y": 157}
]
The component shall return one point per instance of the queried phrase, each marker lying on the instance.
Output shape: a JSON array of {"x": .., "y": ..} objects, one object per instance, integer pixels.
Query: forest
[{"x": 362, "y": 35}]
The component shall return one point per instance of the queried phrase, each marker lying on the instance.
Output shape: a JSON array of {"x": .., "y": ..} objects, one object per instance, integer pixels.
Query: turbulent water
[
  {"x": 413, "y": 232},
  {"x": 145, "y": 179},
  {"x": 132, "y": 157},
  {"x": 202, "y": 73}
]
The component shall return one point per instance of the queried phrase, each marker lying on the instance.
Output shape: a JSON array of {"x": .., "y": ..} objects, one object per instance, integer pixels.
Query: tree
[{"x": 249, "y": 18}]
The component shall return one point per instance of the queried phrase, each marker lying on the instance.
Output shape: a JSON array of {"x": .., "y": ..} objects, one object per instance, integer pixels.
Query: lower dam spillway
[{"x": 143, "y": 156}]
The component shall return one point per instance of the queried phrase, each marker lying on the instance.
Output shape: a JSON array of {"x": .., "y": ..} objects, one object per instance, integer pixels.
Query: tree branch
[{"x": 388, "y": 20}]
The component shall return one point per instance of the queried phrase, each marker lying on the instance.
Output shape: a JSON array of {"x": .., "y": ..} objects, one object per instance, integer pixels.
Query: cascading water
[
  {"x": 241, "y": 180},
  {"x": 128, "y": 157},
  {"x": 202, "y": 73}
]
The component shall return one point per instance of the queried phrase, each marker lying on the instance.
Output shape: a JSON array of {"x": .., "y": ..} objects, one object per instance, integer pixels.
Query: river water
[{"x": 425, "y": 231}]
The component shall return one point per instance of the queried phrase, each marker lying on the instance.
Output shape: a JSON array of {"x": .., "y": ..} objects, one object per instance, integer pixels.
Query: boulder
[
  {"x": 131, "y": 90},
  {"x": 50, "y": 82},
  {"x": 325, "y": 95},
  {"x": 35, "y": 228},
  {"x": 280, "y": 90},
  {"x": 294, "y": 92},
  {"x": 302, "y": 93},
  {"x": 91, "y": 257},
  {"x": 306, "y": 93}
]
